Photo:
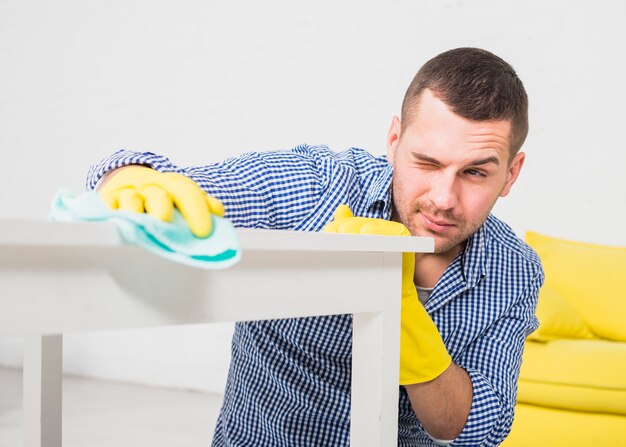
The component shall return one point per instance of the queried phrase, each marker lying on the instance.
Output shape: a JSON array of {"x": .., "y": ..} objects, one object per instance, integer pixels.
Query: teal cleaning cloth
[{"x": 172, "y": 240}]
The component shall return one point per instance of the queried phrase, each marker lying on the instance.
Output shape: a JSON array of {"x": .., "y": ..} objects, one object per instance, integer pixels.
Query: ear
[
  {"x": 513, "y": 172},
  {"x": 393, "y": 136}
]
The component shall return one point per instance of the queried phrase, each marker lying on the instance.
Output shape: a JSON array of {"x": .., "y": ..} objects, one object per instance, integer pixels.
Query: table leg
[
  {"x": 376, "y": 366},
  {"x": 365, "y": 403},
  {"x": 43, "y": 377},
  {"x": 374, "y": 399}
]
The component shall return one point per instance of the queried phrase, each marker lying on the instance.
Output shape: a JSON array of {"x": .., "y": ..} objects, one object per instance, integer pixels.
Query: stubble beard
[
  {"x": 408, "y": 216},
  {"x": 443, "y": 243}
]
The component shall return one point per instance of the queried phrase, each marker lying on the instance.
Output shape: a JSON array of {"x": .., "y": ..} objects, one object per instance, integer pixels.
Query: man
[{"x": 452, "y": 154}]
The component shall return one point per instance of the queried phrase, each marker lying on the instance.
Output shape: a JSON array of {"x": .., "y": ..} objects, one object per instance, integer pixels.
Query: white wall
[{"x": 202, "y": 80}]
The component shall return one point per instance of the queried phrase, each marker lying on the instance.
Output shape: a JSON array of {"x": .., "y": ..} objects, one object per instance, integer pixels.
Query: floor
[{"x": 99, "y": 413}]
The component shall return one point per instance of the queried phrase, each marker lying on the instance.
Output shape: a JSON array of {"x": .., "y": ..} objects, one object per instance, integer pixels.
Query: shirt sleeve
[
  {"x": 259, "y": 189},
  {"x": 493, "y": 363}
]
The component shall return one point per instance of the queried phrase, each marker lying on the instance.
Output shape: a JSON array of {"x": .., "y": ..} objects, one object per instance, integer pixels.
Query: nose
[{"x": 443, "y": 194}]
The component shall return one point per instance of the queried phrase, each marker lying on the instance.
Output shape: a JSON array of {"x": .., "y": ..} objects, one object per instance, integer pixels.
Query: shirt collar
[
  {"x": 464, "y": 273},
  {"x": 474, "y": 257},
  {"x": 379, "y": 191}
]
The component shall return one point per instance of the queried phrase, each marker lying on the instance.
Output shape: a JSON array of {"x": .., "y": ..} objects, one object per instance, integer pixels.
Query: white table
[{"x": 57, "y": 278}]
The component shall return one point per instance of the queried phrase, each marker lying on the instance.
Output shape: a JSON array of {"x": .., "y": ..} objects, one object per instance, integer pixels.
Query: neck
[{"x": 429, "y": 267}]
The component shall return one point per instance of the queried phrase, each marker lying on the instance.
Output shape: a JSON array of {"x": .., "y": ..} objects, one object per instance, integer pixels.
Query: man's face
[{"x": 448, "y": 172}]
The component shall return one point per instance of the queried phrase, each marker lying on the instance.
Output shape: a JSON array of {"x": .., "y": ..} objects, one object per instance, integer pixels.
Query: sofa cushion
[
  {"x": 541, "y": 426},
  {"x": 592, "y": 278},
  {"x": 558, "y": 318},
  {"x": 582, "y": 375}
]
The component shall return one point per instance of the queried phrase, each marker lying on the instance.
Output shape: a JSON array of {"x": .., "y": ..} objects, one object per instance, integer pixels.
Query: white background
[{"x": 202, "y": 80}]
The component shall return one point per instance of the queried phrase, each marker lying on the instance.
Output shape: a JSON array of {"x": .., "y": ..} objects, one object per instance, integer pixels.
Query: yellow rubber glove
[
  {"x": 423, "y": 356},
  {"x": 139, "y": 189}
]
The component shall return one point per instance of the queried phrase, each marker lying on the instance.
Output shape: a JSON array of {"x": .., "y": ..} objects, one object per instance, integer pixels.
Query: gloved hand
[
  {"x": 423, "y": 356},
  {"x": 139, "y": 188}
]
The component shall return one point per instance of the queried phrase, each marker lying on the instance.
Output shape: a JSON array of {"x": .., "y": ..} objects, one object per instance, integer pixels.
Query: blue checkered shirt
[{"x": 289, "y": 380}]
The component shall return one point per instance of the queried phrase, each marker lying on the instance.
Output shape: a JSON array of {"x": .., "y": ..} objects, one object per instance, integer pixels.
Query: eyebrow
[
  {"x": 484, "y": 161},
  {"x": 479, "y": 162}
]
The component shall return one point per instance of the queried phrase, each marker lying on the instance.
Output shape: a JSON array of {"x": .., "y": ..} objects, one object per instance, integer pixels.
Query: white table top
[
  {"x": 40, "y": 233},
  {"x": 63, "y": 277}
]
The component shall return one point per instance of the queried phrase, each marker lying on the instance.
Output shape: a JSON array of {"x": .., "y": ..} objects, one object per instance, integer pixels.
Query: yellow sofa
[{"x": 572, "y": 388}]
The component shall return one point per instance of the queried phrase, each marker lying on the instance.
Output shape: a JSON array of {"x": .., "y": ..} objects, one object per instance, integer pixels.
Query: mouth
[{"x": 437, "y": 225}]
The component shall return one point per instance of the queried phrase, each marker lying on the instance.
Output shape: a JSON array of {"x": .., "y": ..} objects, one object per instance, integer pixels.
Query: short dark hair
[{"x": 475, "y": 84}]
